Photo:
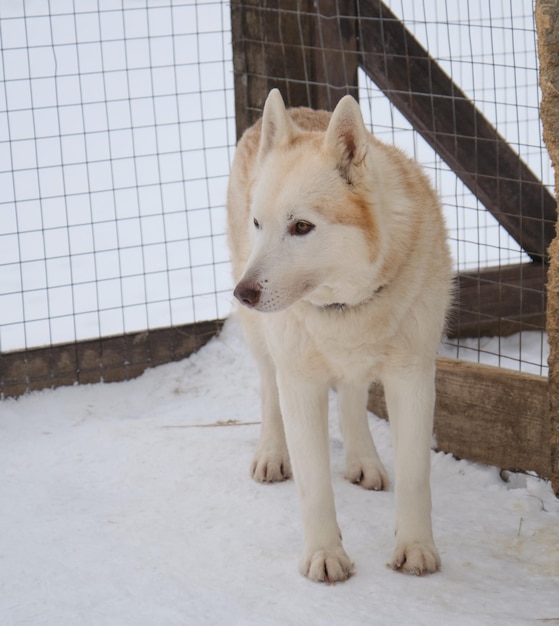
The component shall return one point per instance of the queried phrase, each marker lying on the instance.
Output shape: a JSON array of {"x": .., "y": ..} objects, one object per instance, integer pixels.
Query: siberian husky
[{"x": 341, "y": 261}]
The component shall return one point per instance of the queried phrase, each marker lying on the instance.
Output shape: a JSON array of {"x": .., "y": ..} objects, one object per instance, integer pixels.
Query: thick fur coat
[{"x": 342, "y": 266}]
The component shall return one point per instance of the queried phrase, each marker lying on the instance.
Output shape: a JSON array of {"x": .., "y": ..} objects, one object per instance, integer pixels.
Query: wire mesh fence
[
  {"x": 489, "y": 50},
  {"x": 456, "y": 85},
  {"x": 115, "y": 142},
  {"x": 117, "y": 128}
]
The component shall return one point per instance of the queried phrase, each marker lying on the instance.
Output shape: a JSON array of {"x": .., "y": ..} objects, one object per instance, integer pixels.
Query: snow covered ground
[{"x": 130, "y": 504}]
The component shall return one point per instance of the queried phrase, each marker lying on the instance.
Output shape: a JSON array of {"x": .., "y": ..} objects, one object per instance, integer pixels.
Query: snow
[
  {"x": 130, "y": 503},
  {"x": 527, "y": 351}
]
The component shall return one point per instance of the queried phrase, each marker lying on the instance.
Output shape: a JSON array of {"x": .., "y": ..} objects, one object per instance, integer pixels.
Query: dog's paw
[
  {"x": 415, "y": 558},
  {"x": 270, "y": 467},
  {"x": 369, "y": 474},
  {"x": 326, "y": 566}
]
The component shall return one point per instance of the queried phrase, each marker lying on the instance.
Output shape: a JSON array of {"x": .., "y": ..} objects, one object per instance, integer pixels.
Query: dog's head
[{"x": 314, "y": 231}]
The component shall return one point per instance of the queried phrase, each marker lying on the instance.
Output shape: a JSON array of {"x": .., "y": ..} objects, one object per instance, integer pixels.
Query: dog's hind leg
[
  {"x": 363, "y": 465},
  {"x": 410, "y": 399},
  {"x": 271, "y": 460}
]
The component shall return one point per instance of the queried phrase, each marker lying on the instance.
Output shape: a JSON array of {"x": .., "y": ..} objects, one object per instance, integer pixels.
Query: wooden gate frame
[{"x": 484, "y": 414}]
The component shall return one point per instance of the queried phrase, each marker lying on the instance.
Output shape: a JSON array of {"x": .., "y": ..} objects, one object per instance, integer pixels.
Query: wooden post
[
  {"x": 547, "y": 26},
  {"x": 306, "y": 48}
]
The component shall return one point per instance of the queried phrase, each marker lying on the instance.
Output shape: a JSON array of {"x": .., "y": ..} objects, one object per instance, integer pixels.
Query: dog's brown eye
[
  {"x": 300, "y": 228},
  {"x": 256, "y": 223}
]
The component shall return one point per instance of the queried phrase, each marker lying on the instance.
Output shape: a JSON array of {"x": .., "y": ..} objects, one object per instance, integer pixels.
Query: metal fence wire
[
  {"x": 115, "y": 142},
  {"x": 117, "y": 129}
]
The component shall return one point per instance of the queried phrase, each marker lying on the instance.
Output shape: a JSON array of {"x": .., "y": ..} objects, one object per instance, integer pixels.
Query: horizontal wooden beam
[
  {"x": 450, "y": 123},
  {"x": 109, "y": 359},
  {"x": 488, "y": 415},
  {"x": 499, "y": 301}
]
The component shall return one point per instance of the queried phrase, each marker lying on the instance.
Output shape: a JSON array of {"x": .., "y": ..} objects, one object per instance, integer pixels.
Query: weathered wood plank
[
  {"x": 447, "y": 119},
  {"x": 304, "y": 48},
  {"x": 109, "y": 359},
  {"x": 499, "y": 301},
  {"x": 547, "y": 26},
  {"x": 488, "y": 415}
]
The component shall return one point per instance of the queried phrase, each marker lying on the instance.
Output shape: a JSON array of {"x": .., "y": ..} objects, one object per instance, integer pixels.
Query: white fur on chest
[{"x": 340, "y": 344}]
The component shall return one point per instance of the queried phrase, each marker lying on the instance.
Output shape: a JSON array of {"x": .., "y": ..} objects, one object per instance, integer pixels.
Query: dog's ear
[
  {"x": 277, "y": 127},
  {"x": 347, "y": 137}
]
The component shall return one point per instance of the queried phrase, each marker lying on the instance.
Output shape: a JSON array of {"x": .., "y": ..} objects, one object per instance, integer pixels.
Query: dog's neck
[{"x": 342, "y": 306}]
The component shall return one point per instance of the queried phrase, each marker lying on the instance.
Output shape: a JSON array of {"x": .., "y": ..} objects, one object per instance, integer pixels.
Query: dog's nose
[{"x": 247, "y": 294}]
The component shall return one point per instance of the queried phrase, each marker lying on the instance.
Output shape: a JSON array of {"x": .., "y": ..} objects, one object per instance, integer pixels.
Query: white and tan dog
[{"x": 339, "y": 250}]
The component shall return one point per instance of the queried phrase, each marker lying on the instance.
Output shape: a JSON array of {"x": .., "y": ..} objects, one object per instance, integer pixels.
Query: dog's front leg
[
  {"x": 410, "y": 399},
  {"x": 271, "y": 461},
  {"x": 304, "y": 406}
]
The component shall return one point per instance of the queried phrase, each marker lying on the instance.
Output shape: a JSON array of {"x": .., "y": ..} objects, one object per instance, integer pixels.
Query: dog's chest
[
  {"x": 352, "y": 356},
  {"x": 338, "y": 346}
]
